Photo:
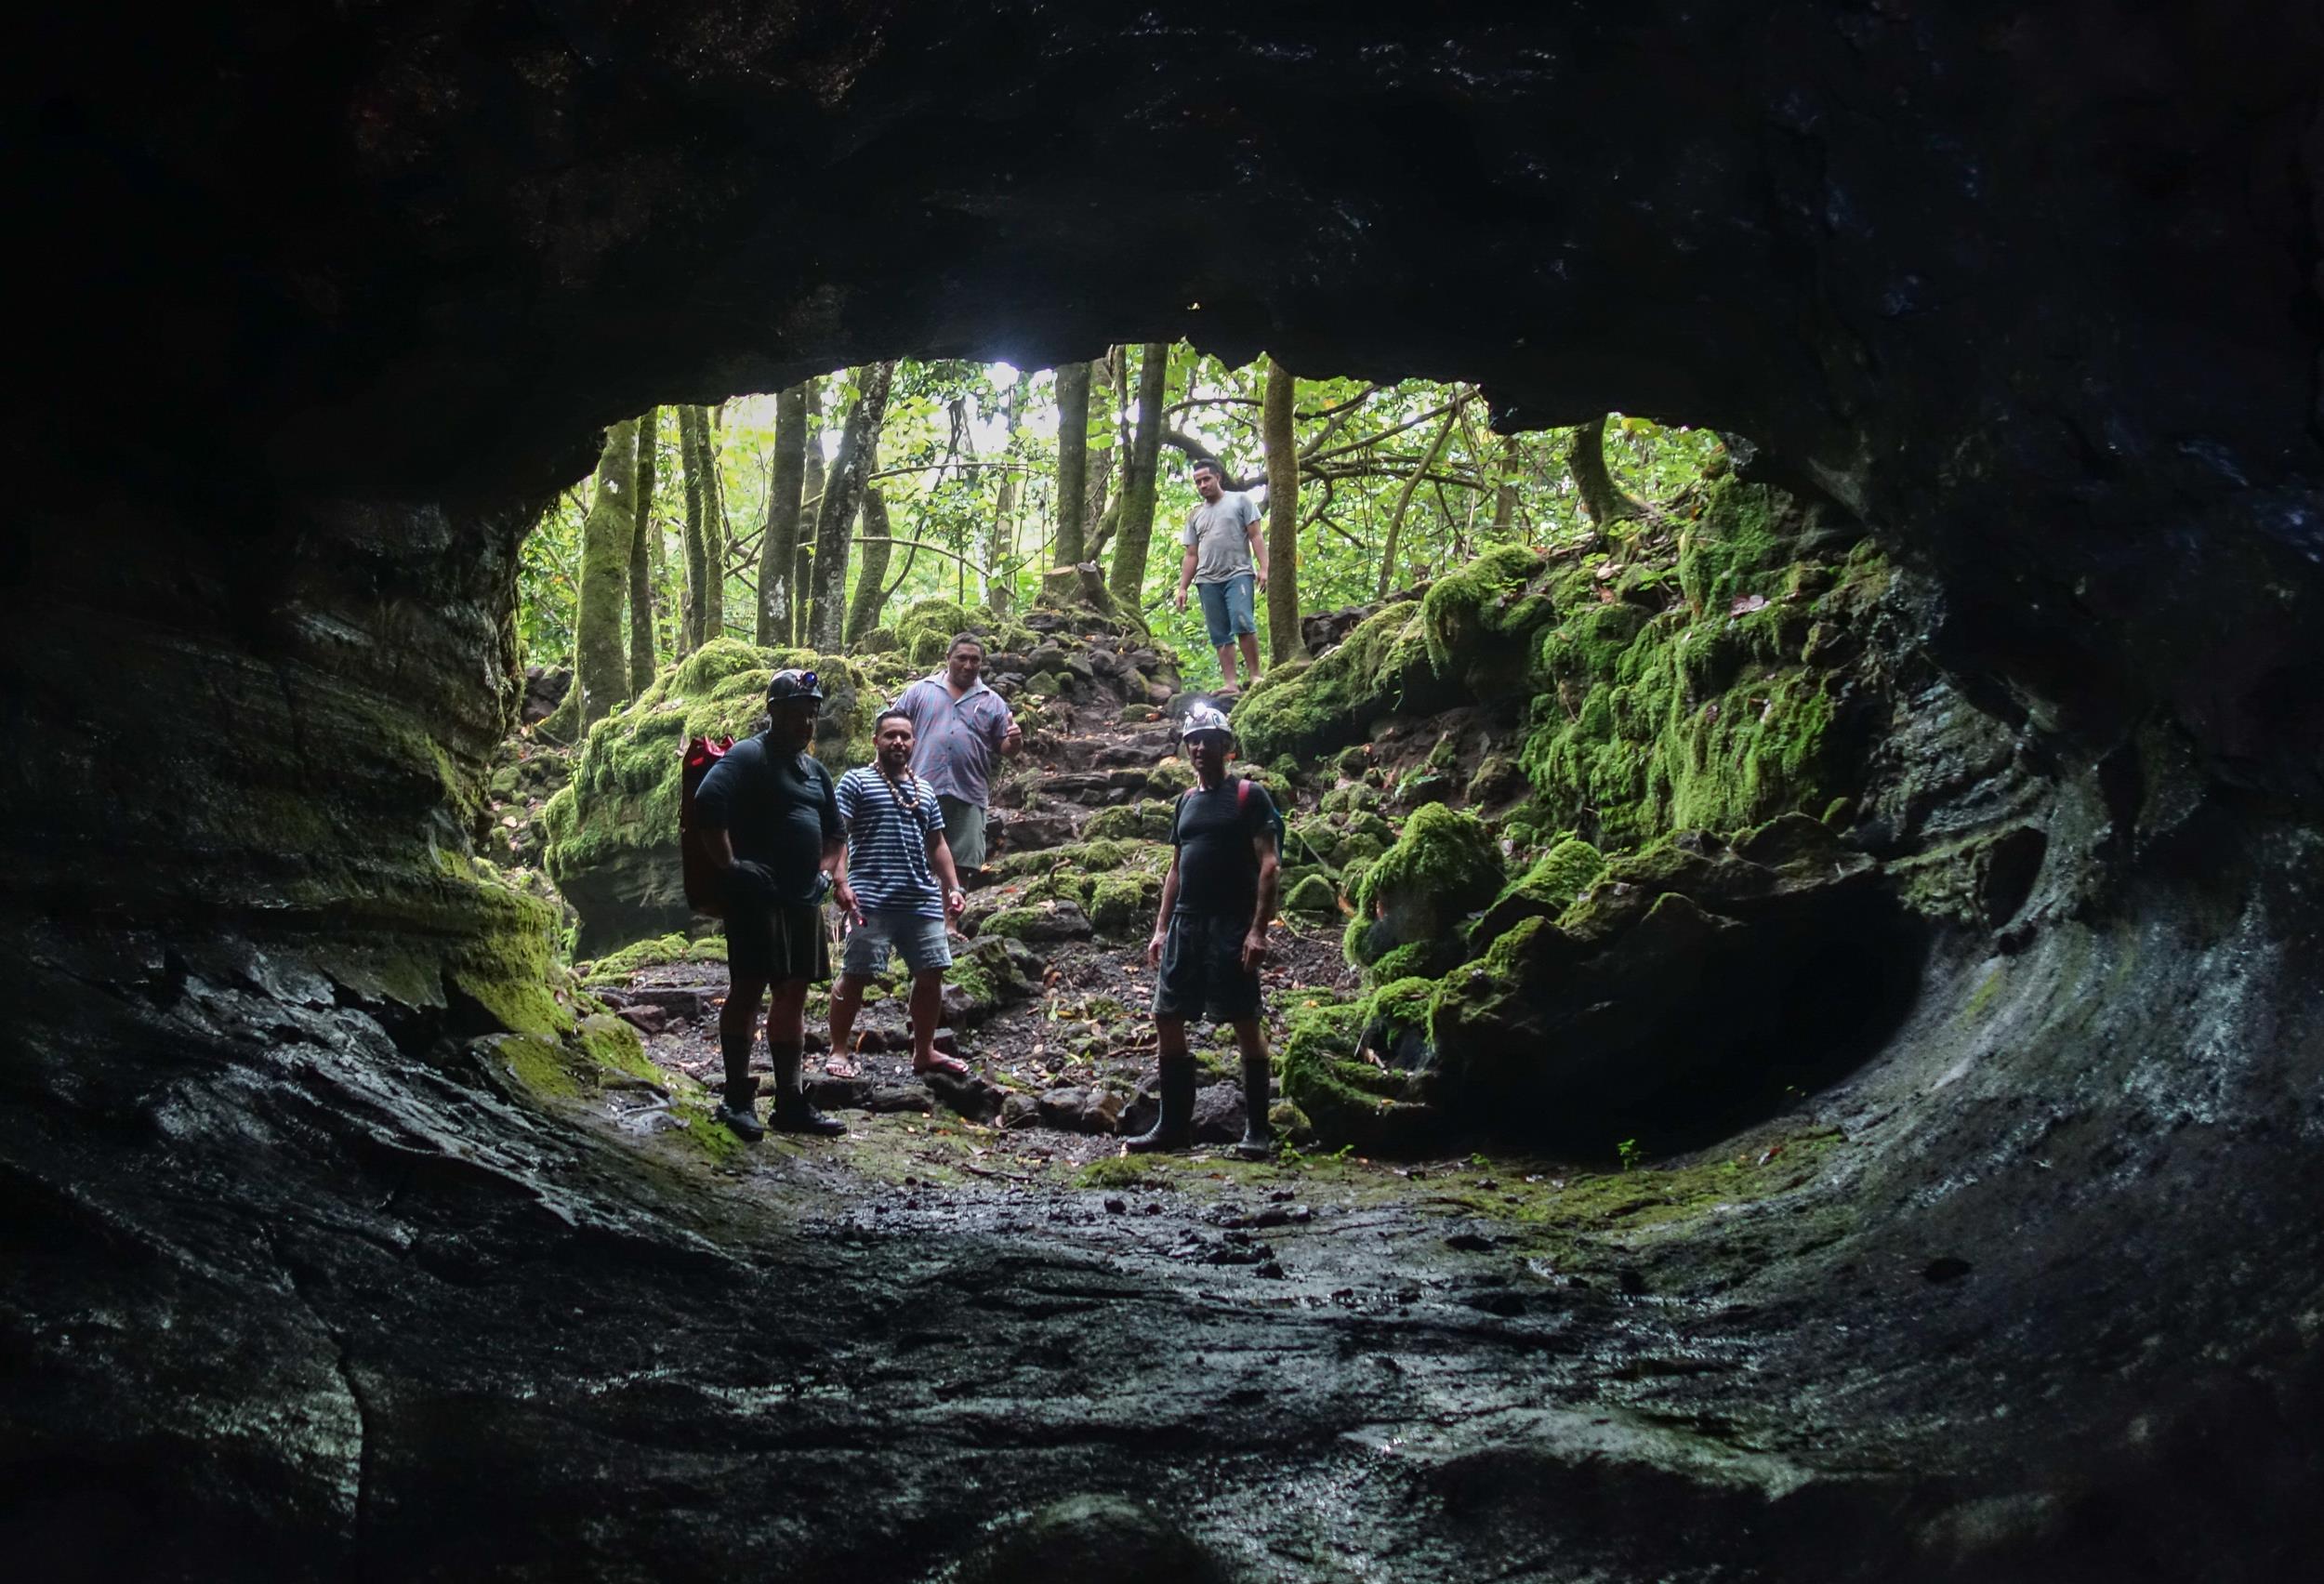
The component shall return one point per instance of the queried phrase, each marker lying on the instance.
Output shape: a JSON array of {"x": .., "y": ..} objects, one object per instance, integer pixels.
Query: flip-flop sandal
[
  {"x": 945, "y": 1066},
  {"x": 839, "y": 1067}
]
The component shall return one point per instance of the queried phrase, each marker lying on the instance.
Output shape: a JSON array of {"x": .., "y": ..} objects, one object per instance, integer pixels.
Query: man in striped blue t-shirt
[{"x": 897, "y": 890}]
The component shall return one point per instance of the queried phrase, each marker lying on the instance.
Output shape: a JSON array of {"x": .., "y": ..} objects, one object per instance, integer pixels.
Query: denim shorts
[
  {"x": 919, "y": 940},
  {"x": 1230, "y": 608}
]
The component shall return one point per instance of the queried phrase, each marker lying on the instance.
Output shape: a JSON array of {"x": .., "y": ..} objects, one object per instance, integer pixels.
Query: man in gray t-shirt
[{"x": 1226, "y": 559}]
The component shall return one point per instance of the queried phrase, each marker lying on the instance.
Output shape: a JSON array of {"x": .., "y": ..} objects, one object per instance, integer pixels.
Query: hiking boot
[
  {"x": 1259, "y": 1134},
  {"x": 739, "y": 1110},
  {"x": 794, "y": 1115},
  {"x": 1174, "y": 1130}
]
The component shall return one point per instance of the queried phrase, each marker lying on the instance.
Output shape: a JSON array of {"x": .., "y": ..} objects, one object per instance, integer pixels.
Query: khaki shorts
[{"x": 964, "y": 832}]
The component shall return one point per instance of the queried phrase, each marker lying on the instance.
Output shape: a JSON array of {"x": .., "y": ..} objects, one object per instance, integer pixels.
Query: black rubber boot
[
  {"x": 739, "y": 1110},
  {"x": 792, "y": 1113},
  {"x": 1259, "y": 1134},
  {"x": 1174, "y": 1130}
]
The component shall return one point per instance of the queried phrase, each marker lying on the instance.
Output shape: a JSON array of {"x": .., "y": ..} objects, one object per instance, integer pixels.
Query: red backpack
[{"x": 702, "y": 876}]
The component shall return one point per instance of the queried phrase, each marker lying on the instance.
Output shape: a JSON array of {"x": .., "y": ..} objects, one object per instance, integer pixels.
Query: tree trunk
[
  {"x": 642, "y": 647},
  {"x": 715, "y": 533},
  {"x": 1134, "y": 538},
  {"x": 599, "y": 673},
  {"x": 843, "y": 492},
  {"x": 1600, "y": 497},
  {"x": 1283, "y": 515},
  {"x": 1404, "y": 498},
  {"x": 1003, "y": 543},
  {"x": 1505, "y": 492},
  {"x": 871, "y": 567},
  {"x": 1102, "y": 425},
  {"x": 812, "y": 481},
  {"x": 696, "y": 574},
  {"x": 778, "y": 548},
  {"x": 1072, "y": 460}
]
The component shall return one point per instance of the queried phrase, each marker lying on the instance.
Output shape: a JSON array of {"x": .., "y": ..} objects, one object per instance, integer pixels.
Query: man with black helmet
[
  {"x": 1210, "y": 934},
  {"x": 772, "y": 822}
]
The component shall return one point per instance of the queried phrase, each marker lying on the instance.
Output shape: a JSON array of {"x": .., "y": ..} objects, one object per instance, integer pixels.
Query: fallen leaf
[{"x": 1746, "y": 603}]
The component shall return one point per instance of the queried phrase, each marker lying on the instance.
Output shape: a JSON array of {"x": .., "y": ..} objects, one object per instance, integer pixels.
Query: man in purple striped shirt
[{"x": 957, "y": 725}]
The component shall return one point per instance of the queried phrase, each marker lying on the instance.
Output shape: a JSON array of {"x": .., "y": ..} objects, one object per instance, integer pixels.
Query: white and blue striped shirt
[{"x": 888, "y": 827}]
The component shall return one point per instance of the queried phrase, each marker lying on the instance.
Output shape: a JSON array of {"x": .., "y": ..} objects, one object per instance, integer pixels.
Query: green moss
[
  {"x": 1120, "y": 903},
  {"x": 1413, "y": 958},
  {"x": 1011, "y": 923},
  {"x": 618, "y": 968},
  {"x": 613, "y": 1048},
  {"x": 1306, "y": 711},
  {"x": 1170, "y": 776},
  {"x": 1345, "y": 1099},
  {"x": 1088, "y": 857},
  {"x": 1401, "y": 1004},
  {"x": 1314, "y": 896},
  {"x": 1116, "y": 1171},
  {"x": 540, "y": 1064},
  {"x": 623, "y": 796},
  {"x": 1559, "y": 875},
  {"x": 1444, "y": 866},
  {"x": 1700, "y": 717},
  {"x": 1148, "y": 821},
  {"x": 1466, "y": 609},
  {"x": 505, "y": 962}
]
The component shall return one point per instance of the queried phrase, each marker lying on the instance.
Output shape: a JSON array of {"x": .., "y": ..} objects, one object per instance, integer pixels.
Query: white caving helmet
[{"x": 1202, "y": 716}]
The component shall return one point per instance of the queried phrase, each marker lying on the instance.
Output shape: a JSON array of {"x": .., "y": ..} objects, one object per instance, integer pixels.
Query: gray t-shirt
[{"x": 1217, "y": 531}]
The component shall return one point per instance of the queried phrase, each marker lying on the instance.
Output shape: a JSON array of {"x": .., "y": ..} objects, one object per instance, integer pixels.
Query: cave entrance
[{"x": 1522, "y": 697}]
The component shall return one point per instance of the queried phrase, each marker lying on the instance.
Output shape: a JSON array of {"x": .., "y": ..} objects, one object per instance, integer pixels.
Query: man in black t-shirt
[
  {"x": 1210, "y": 934},
  {"x": 772, "y": 822}
]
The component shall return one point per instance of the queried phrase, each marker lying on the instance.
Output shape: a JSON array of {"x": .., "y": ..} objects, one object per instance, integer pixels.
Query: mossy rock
[
  {"x": 1044, "y": 684},
  {"x": 1313, "y": 897},
  {"x": 619, "y": 968},
  {"x": 1396, "y": 1022},
  {"x": 1315, "y": 835},
  {"x": 1497, "y": 780},
  {"x": 1546, "y": 890},
  {"x": 1121, "y": 904},
  {"x": 1169, "y": 777},
  {"x": 1346, "y": 1100},
  {"x": 1444, "y": 866},
  {"x": 879, "y": 640},
  {"x": 1473, "y": 618},
  {"x": 613, "y": 833},
  {"x": 1052, "y": 921},
  {"x": 1086, "y": 857},
  {"x": 1350, "y": 796},
  {"x": 1696, "y": 977},
  {"x": 1707, "y": 713},
  {"x": 994, "y": 971},
  {"x": 1306, "y": 711},
  {"x": 1147, "y": 820}
]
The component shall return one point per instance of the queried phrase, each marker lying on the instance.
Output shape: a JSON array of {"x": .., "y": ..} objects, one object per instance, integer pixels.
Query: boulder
[
  {"x": 613, "y": 833},
  {"x": 1687, "y": 976},
  {"x": 1041, "y": 921},
  {"x": 1414, "y": 899}
]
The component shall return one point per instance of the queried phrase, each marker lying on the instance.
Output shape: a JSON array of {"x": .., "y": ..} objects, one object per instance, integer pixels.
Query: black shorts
[
  {"x": 1202, "y": 970},
  {"x": 777, "y": 942}
]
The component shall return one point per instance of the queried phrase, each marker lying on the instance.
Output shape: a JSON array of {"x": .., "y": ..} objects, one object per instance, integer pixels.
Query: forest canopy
[{"x": 969, "y": 481}]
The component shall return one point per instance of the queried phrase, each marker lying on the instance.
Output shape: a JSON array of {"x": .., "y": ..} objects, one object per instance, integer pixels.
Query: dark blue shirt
[
  {"x": 1218, "y": 868},
  {"x": 777, "y": 809}
]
